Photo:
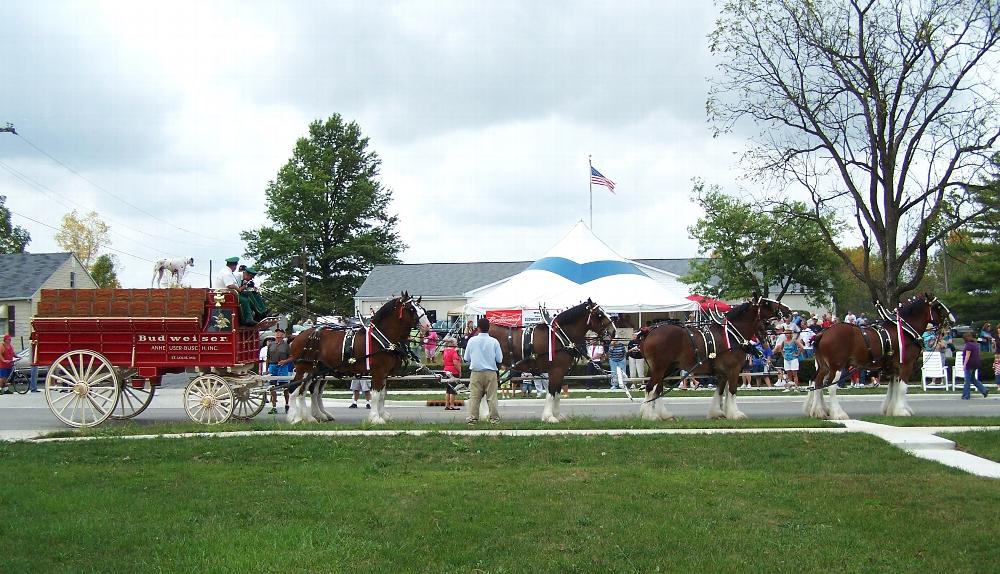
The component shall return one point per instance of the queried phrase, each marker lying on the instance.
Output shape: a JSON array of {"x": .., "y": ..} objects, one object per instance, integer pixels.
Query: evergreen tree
[{"x": 328, "y": 205}]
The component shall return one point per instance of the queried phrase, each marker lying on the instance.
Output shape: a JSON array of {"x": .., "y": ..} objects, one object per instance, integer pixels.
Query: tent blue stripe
[{"x": 586, "y": 272}]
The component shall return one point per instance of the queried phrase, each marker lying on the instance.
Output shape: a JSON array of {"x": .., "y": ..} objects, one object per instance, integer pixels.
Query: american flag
[{"x": 599, "y": 179}]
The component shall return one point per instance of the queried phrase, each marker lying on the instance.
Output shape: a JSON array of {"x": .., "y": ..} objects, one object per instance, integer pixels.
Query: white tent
[{"x": 578, "y": 267}]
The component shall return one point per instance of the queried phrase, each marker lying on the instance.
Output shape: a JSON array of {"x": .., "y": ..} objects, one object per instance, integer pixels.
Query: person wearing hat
[
  {"x": 252, "y": 307},
  {"x": 6, "y": 363},
  {"x": 226, "y": 278},
  {"x": 933, "y": 344}
]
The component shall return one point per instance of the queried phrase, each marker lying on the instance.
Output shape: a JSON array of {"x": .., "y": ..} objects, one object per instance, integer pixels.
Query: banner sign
[{"x": 506, "y": 317}]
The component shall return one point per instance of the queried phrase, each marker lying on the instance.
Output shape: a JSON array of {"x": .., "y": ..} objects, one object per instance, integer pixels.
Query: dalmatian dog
[{"x": 175, "y": 268}]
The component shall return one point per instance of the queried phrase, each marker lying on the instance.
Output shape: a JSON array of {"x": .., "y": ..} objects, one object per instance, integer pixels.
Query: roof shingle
[{"x": 21, "y": 274}]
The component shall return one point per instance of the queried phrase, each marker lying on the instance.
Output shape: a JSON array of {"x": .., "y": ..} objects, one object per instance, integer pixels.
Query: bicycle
[{"x": 18, "y": 381}]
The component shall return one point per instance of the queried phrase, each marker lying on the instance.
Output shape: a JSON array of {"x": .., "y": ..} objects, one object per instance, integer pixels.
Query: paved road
[{"x": 30, "y": 412}]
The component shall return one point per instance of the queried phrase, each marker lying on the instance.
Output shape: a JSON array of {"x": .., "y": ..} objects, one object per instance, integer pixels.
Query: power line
[
  {"x": 133, "y": 206},
  {"x": 24, "y": 178},
  {"x": 126, "y": 253}
]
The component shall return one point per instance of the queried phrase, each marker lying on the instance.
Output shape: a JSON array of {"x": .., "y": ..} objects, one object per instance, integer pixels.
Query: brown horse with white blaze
[
  {"x": 718, "y": 349},
  {"x": 565, "y": 337},
  {"x": 874, "y": 348},
  {"x": 378, "y": 350}
]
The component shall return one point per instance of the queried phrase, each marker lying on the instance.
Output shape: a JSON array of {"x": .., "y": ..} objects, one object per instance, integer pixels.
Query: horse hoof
[
  {"x": 376, "y": 420},
  {"x": 550, "y": 419}
]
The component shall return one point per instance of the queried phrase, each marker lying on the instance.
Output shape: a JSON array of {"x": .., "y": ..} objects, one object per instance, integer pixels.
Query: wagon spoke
[
  {"x": 71, "y": 373},
  {"x": 88, "y": 372}
]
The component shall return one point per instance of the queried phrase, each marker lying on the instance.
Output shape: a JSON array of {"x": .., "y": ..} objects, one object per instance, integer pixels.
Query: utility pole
[{"x": 302, "y": 259}]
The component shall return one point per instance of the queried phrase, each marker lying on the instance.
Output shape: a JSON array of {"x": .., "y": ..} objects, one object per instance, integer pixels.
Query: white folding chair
[
  {"x": 933, "y": 368},
  {"x": 958, "y": 372}
]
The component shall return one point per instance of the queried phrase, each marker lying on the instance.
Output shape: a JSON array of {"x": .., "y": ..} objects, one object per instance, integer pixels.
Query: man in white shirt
[{"x": 226, "y": 278}]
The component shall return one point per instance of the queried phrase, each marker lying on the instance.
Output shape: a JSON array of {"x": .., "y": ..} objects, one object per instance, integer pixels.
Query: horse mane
[
  {"x": 907, "y": 308},
  {"x": 572, "y": 314},
  {"x": 385, "y": 310},
  {"x": 739, "y": 310}
]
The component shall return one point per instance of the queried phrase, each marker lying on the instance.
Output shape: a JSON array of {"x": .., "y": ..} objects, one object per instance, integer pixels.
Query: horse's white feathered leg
[
  {"x": 376, "y": 417},
  {"x": 660, "y": 410},
  {"x": 837, "y": 412},
  {"x": 730, "y": 409},
  {"x": 897, "y": 406},
  {"x": 294, "y": 408},
  {"x": 555, "y": 408},
  {"x": 547, "y": 416},
  {"x": 890, "y": 398},
  {"x": 807, "y": 407},
  {"x": 815, "y": 406},
  {"x": 304, "y": 410},
  {"x": 715, "y": 407}
]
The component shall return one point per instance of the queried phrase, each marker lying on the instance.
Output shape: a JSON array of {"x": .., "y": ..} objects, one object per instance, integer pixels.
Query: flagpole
[{"x": 590, "y": 162}]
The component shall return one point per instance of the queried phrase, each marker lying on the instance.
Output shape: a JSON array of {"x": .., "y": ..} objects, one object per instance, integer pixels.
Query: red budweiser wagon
[{"x": 109, "y": 349}]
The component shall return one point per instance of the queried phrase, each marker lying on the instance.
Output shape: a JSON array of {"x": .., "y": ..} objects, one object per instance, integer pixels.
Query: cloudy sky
[{"x": 169, "y": 119}]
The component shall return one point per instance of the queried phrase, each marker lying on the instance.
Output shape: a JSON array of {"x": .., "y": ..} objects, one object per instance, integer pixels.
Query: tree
[
  {"x": 973, "y": 260},
  {"x": 13, "y": 239},
  {"x": 104, "y": 273},
  {"x": 753, "y": 250},
  {"x": 83, "y": 236},
  {"x": 851, "y": 293},
  {"x": 882, "y": 111},
  {"x": 327, "y": 204}
]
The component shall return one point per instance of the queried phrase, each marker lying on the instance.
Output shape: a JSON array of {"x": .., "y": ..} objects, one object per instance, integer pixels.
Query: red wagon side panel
[{"x": 155, "y": 331}]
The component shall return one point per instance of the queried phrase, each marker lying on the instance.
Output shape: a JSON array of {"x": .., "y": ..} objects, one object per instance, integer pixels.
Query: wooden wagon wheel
[
  {"x": 208, "y": 399},
  {"x": 82, "y": 388},
  {"x": 132, "y": 400},
  {"x": 248, "y": 398}
]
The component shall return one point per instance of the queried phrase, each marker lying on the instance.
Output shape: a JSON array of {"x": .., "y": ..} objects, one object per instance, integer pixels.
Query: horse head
[
  {"x": 761, "y": 310},
  {"x": 600, "y": 322},
  {"x": 410, "y": 311},
  {"x": 923, "y": 309},
  {"x": 940, "y": 314}
]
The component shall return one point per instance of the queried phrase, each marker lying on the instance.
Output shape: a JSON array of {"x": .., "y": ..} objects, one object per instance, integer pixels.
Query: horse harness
[{"x": 311, "y": 350}]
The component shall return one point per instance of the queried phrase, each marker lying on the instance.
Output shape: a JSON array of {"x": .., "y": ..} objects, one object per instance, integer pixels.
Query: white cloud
[{"x": 483, "y": 114}]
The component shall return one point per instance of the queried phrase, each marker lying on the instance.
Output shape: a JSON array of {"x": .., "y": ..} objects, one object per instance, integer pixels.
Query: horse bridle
[{"x": 591, "y": 310}]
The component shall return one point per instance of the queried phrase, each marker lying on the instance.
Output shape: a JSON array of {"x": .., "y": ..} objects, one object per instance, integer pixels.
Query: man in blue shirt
[{"x": 483, "y": 354}]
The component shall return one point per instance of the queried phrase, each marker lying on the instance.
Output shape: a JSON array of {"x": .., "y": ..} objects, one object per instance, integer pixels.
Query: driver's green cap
[
  {"x": 251, "y": 270},
  {"x": 233, "y": 260}
]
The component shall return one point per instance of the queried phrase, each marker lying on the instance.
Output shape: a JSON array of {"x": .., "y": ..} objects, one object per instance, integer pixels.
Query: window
[
  {"x": 72, "y": 279},
  {"x": 10, "y": 320}
]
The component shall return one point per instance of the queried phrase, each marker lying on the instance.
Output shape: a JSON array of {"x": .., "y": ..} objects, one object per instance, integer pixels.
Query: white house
[{"x": 22, "y": 278}]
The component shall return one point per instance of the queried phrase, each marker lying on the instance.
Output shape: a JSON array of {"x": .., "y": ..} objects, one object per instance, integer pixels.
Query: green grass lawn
[
  {"x": 739, "y": 503},
  {"x": 984, "y": 443},
  {"x": 136, "y": 427}
]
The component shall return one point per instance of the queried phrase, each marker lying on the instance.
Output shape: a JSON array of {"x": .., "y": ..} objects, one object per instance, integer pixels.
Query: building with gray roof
[{"x": 22, "y": 278}]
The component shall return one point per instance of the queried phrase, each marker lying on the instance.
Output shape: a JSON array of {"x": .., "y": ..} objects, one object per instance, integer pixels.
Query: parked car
[{"x": 22, "y": 362}]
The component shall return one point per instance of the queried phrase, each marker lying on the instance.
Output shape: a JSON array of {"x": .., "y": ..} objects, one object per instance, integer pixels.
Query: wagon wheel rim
[
  {"x": 132, "y": 400},
  {"x": 208, "y": 399},
  {"x": 248, "y": 399},
  {"x": 82, "y": 388}
]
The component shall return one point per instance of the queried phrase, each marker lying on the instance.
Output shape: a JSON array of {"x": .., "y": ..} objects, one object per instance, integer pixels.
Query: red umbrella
[{"x": 709, "y": 303}]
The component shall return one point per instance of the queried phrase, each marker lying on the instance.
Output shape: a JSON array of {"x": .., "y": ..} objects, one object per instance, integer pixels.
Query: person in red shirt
[
  {"x": 453, "y": 368},
  {"x": 6, "y": 364}
]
